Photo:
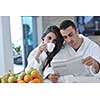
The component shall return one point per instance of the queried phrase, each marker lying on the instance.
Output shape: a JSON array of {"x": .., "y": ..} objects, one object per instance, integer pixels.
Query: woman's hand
[
  {"x": 89, "y": 61},
  {"x": 53, "y": 77},
  {"x": 42, "y": 47}
]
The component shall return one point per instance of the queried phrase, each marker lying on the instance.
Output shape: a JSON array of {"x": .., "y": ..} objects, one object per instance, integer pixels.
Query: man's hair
[{"x": 67, "y": 23}]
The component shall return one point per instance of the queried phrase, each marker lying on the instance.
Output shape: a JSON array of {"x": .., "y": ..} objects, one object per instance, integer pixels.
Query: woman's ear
[{"x": 42, "y": 38}]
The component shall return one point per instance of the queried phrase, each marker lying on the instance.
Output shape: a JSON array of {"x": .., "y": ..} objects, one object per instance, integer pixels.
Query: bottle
[{"x": 96, "y": 25}]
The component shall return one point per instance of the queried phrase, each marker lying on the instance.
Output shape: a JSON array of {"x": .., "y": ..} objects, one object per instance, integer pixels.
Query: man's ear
[{"x": 77, "y": 31}]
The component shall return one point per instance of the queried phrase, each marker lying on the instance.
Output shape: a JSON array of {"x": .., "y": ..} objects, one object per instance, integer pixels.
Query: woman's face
[{"x": 50, "y": 38}]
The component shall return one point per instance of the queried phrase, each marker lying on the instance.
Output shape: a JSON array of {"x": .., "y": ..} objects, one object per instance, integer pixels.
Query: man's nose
[{"x": 68, "y": 40}]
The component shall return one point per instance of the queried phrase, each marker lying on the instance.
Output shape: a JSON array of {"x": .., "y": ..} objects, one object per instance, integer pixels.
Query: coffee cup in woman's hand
[{"x": 50, "y": 47}]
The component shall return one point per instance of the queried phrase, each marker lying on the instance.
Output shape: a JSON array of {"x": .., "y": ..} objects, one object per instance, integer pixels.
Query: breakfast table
[{"x": 76, "y": 79}]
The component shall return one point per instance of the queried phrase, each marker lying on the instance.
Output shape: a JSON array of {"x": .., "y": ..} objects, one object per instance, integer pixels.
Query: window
[
  {"x": 29, "y": 35},
  {"x": 16, "y": 37},
  {"x": 88, "y": 25}
]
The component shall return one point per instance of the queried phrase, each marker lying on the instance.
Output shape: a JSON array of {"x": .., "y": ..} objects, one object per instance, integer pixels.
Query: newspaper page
[{"x": 72, "y": 66}]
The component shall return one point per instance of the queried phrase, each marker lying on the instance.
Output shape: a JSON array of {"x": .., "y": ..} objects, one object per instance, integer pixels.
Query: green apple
[
  {"x": 22, "y": 74},
  {"x": 20, "y": 78},
  {"x": 6, "y": 75},
  {"x": 0, "y": 79},
  {"x": 4, "y": 80},
  {"x": 30, "y": 70},
  {"x": 12, "y": 79},
  {"x": 12, "y": 74}
]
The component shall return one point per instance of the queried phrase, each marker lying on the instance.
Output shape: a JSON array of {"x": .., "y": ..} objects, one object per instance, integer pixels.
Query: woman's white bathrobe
[{"x": 32, "y": 62}]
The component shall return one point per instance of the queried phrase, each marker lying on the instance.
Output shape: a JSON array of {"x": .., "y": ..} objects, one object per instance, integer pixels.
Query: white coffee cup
[{"x": 50, "y": 47}]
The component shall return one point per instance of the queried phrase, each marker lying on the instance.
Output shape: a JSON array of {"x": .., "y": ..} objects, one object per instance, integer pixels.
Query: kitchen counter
[{"x": 76, "y": 79}]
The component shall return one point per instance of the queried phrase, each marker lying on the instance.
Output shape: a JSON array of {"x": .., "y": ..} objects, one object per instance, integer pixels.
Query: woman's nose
[{"x": 51, "y": 41}]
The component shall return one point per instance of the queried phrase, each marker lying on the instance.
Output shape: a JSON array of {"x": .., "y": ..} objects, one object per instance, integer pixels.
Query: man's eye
[
  {"x": 65, "y": 37},
  {"x": 70, "y": 34}
]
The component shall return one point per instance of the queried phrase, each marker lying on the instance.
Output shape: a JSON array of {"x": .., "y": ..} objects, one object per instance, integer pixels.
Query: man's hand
[
  {"x": 89, "y": 61},
  {"x": 53, "y": 77}
]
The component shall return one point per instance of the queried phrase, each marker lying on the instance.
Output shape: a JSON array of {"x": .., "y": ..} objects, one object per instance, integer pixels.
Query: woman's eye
[{"x": 49, "y": 38}]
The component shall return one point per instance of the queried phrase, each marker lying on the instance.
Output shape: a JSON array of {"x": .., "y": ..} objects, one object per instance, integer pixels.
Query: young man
[{"x": 76, "y": 44}]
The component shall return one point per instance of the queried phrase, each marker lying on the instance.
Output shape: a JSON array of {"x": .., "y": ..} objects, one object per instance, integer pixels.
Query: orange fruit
[
  {"x": 32, "y": 81},
  {"x": 27, "y": 78},
  {"x": 36, "y": 80},
  {"x": 20, "y": 81},
  {"x": 40, "y": 78},
  {"x": 34, "y": 73}
]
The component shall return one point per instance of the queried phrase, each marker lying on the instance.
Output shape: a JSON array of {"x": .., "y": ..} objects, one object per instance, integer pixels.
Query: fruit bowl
[{"x": 31, "y": 76}]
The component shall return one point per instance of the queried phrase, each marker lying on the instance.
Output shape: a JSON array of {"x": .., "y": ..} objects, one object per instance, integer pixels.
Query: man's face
[{"x": 70, "y": 36}]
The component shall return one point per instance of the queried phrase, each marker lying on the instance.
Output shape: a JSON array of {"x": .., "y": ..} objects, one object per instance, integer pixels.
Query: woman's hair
[{"x": 58, "y": 44}]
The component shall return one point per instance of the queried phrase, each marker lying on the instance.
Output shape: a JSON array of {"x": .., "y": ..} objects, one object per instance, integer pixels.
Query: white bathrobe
[
  {"x": 88, "y": 48},
  {"x": 32, "y": 62}
]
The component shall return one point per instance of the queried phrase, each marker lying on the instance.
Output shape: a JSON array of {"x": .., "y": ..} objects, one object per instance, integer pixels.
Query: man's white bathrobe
[{"x": 88, "y": 48}]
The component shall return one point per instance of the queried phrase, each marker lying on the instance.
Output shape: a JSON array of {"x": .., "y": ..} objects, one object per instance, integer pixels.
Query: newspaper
[{"x": 72, "y": 66}]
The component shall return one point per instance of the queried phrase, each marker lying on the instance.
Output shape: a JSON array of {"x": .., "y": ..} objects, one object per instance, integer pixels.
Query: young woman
[{"x": 40, "y": 57}]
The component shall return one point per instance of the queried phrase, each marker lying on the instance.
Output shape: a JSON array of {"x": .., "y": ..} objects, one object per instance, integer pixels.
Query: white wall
[
  {"x": 6, "y": 56},
  {"x": 44, "y": 21}
]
